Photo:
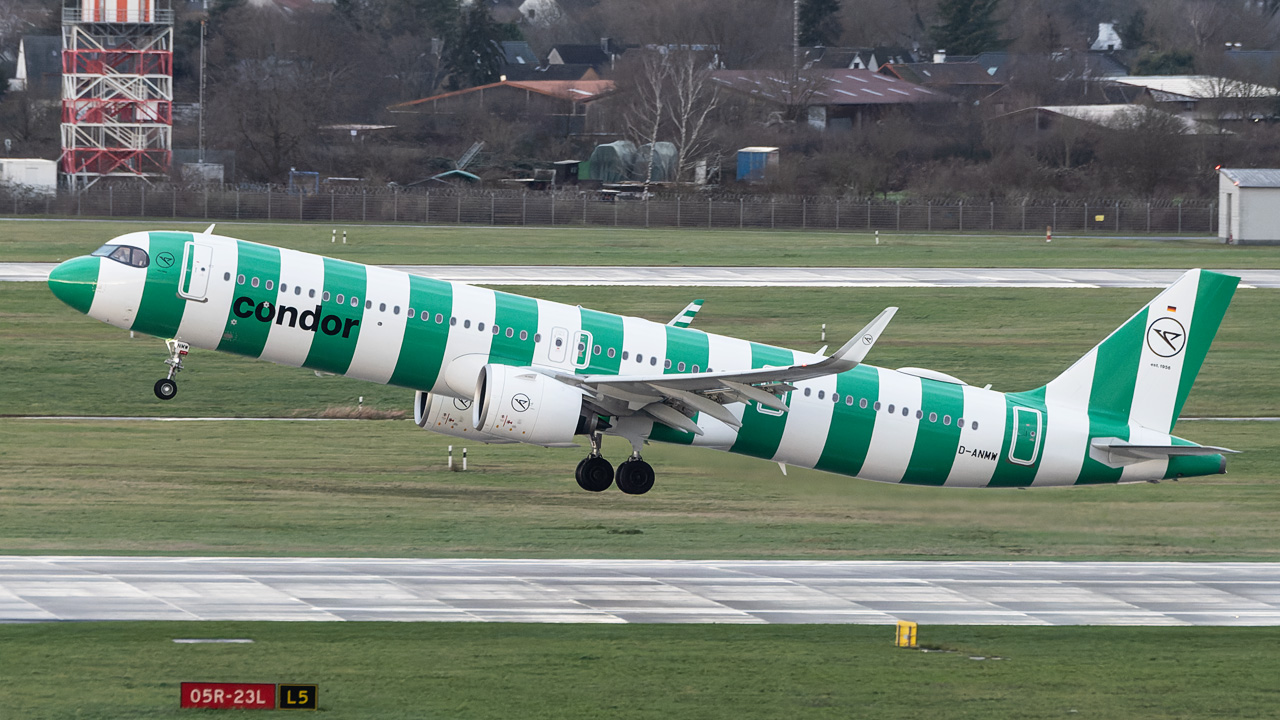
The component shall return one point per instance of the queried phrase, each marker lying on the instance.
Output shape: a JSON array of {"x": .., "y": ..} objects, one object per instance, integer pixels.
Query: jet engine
[
  {"x": 523, "y": 405},
  {"x": 449, "y": 416}
]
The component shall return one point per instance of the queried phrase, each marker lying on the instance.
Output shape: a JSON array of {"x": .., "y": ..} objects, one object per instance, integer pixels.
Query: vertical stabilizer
[{"x": 1143, "y": 371}]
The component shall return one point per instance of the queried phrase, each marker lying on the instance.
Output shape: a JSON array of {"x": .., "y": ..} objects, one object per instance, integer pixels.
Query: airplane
[{"x": 502, "y": 368}]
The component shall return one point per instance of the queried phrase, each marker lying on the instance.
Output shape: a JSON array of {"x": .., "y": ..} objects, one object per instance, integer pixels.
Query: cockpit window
[{"x": 126, "y": 254}]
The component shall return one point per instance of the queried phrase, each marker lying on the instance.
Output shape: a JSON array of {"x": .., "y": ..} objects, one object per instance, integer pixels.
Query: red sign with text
[{"x": 253, "y": 696}]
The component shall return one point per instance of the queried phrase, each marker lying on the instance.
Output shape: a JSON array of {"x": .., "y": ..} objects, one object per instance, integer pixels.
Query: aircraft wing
[
  {"x": 674, "y": 398},
  {"x": 685, "y": 318}
]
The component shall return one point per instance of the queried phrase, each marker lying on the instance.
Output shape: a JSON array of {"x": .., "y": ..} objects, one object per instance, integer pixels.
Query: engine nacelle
[
  {"x": 449, "y": 416},
  {"x": 526, "y": 406}
]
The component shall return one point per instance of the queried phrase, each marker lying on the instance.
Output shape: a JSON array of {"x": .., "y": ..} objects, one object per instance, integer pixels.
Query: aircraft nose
[{"x": 74, "y": 281}]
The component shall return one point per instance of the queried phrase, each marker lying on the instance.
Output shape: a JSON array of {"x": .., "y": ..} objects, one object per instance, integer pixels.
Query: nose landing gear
[{"x": 167, "y": 387}]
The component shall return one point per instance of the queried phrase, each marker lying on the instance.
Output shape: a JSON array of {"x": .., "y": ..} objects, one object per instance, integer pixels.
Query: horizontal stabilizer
[{"x": 1121, "y": 452}]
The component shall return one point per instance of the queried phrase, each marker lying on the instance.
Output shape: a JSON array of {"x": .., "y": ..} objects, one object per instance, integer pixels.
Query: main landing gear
[
  {"x": 595, "y": 474},
  {"x": 167, "y": 387}
]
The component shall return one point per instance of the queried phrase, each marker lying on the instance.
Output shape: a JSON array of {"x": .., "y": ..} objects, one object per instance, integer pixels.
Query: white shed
[
  {"x": 31, "y": 174},
  {"x": 1249, "y": 206}
]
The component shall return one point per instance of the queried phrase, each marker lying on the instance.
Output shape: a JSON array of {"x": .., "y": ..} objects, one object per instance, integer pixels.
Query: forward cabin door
[{"x": 196, "y": 262}]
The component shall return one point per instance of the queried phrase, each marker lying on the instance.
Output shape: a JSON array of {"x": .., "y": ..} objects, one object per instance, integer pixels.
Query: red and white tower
[{"x": 117, "y": 90}]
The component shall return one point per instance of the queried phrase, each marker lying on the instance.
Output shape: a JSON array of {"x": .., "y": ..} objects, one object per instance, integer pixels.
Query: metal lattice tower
[{"x": 117, "y": 90}]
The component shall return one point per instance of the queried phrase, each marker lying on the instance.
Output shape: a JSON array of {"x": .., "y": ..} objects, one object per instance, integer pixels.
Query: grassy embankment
[
  {"x": 50, "y": 240},
  {"x": 488, "y": 670}
]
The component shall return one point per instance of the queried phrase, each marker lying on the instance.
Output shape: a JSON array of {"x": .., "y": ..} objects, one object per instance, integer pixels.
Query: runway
[
  {"x": 54, "y": 588},
  {"x": 774, "y": 276}
]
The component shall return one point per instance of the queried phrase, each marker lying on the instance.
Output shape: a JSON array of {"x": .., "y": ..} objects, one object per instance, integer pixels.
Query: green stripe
[
  {"x": 332, "y": 353},
  {"x": 761, "y": 432},
  {"x": 690, "y": 347},
  {"x": 515, "y": 313},
  {"x": 936, "y": 442},
  {"x": 422, "y": 352},
  {"x": 1212, "y": 298},
  {"x": 160, "y": 311},
  {"x": 1011, "y": 474},
  {"x": 667, "y": 434},
  {"x": 606, "y": 331},
  {"x": 850, "y": 434},
  {"x": 247, "y": 336},
  {"x": 1115, "y": 375}
]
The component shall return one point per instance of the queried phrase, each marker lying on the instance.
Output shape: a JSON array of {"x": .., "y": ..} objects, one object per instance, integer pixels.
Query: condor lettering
[{"x": 309, "y": 320}]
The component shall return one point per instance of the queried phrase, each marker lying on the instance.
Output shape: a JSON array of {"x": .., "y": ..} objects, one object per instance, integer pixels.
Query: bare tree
[
  {"x": 648, "y": 106},
  {"x": 693, "y": 97}
]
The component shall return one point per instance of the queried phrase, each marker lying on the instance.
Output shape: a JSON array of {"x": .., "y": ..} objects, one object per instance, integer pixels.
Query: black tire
[
  {"x": 594, "y": 474},
  {"x": 635, "y": 477},
  {"x": 165, "y": 389}
]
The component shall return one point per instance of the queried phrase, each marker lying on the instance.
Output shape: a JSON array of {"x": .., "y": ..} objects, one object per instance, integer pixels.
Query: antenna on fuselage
[{"x": 209, "y": 230}]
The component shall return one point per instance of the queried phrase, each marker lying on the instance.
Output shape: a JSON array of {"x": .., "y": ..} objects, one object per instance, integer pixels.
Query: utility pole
[
  {"x": 202, "y": 65},
  {"x": 795, "y": 34}
]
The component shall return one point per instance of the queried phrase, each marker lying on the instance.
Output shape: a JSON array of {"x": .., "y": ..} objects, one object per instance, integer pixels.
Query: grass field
[
  {"x": 381, "y": 488},
  {"x": 48, "y": 240},
  {"x": 432, "y": 670}
]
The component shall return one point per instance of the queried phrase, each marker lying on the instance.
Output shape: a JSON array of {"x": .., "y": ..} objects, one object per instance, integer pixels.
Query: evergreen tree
[
  {"x": 473, "y": 54},
  {"x": 1133, "y": 33},
  {"x": 819, "y": 22},
  {"x": 968, "y": 27}
]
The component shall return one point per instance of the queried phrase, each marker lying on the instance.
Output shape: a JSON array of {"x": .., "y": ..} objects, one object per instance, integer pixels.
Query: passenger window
[
  {"x": 284, "y": 287},
  {"x": 412, "y": 313},
  {"x": 453, "y": 321},
  {"x": 254, "y": 282},
  {"x": 311, "y": 293},
  {"x": 946, "y": 419},
  {"x": 905, "y": 412},
  {"x": 680, "y": 367},
  {"x": 368, "y": 305},
  {"x": 439, "y": 318},
  {"x": 695, "y": 369},
  {"x": 537, "y": 337},
  {"x": 822, "y": 394},
  {"x": 848, "y": 400},
  {"x": 808, "y": 392},
  {"x": 270, "y": 283},
  {"x": 524, "y": 335},
  {"x": 876, "y": 407},
  {"x": 297, "y": 290},
  {"x": 919, "y": 414},
  {"x": 974, "y": 425},
  {"x": 933, "y": 417},
  {"x": 960, "y": 423},
  {"x": 595, "y": 350},
  {"x": 480, "y": 327},
  {"x": 890, "y": 408},
  {"x": 355, "y": 301},
  {"x": 653, "y": 361},
  {"x": 240, "y": 279},
  {"x": 511, "y": 332},
  {"x": 612, "y": 352},
  {"x": 466, "y": 323},
  {"x": 497, "y": 329},
  {"x": 862, "y": 403},
  {"x": 666, "y": 364},
  {"x": 226, "y": 276},
  {"x": 395, "y": 310}
]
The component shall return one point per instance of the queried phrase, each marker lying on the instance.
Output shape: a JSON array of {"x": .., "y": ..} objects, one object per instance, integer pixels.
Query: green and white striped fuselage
[{"x": 385, "y": 326}]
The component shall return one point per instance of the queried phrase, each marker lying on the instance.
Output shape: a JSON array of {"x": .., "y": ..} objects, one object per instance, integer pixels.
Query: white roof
[
  {"x": 1112, "y": 115},
  {"x": 1252, "y": 178},
  {"x": 1196, "y": 87},
  {"x": 758, "y": 149}
]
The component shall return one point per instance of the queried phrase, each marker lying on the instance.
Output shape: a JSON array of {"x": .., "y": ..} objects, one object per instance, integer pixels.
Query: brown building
[{"x": 567, "y": 104}]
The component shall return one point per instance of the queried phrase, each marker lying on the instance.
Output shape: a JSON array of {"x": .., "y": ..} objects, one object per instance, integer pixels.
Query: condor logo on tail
[{"x": 309, "y": 320}]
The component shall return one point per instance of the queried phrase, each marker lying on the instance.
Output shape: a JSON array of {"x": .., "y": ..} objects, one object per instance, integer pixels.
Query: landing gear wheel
[
  {"x": 165, "y": 389},
  {"x": 594, "y": 474},
  {"x": 635, "y": 477}
]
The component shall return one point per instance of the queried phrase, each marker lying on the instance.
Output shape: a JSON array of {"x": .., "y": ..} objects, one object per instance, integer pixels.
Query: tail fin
[{"x": 1144, "y": 370}]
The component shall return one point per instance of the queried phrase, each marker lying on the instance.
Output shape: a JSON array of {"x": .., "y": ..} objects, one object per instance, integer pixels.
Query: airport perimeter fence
[{"x": 591, "y": 208}]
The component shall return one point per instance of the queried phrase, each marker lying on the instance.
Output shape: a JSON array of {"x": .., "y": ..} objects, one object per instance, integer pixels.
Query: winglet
[
  {"x": 685, "y": 318},
  {"x": 855, "y": 351}
]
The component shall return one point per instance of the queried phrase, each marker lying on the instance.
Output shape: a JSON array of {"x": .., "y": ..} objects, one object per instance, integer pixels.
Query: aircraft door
[
  {"x": 582, "y": 349},
  {"x": 1027, "y": 430},
  {"x": 196, "y": 262},
  {"x": 558, "y": 346}
]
